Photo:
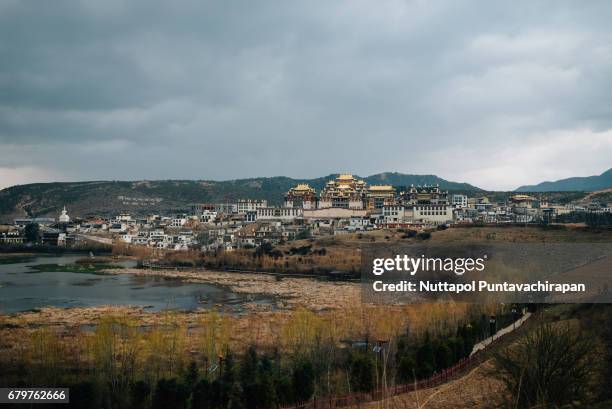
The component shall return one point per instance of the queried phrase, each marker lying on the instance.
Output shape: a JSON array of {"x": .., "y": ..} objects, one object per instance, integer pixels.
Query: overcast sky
[{"x": 497, "y": 94}]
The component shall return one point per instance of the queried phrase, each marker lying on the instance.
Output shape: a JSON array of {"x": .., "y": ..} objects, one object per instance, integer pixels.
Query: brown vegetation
[{"x": 476, "y": 389}]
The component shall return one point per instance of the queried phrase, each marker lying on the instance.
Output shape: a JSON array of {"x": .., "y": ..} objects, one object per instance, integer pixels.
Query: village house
[
  {"x": 12, "y": 236},
  {"x": 392, "y": 214},
  {"x": 459, "y": 201},
  {"x": 247, "y": 205}
]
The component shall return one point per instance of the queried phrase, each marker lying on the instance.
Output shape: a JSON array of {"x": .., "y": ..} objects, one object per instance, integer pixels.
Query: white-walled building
[
  {"x": 178, "y": 221},
  {"x": 250, "y": 216},
  {"x": 43, "y": 221},
  {"x": 333, "y": 213},
  {"x": 279, "y": 213},
  {"x": 357, "y": 223},
  {"x": 208, "y": 216},
  {"x": 393, "y": 214},
  {"x": 124, "y": 217},
  {"x": 118, "y": 227},
  {"x": 244, "y": 205},
  {"x": 126, "y": 238},
  {"x": 434, "y": 213},
  {"x": 11, "y": 237},
  {"x": 460, "y": 201}
]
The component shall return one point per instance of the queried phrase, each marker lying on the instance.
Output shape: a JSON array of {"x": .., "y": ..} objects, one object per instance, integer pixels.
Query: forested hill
[{"x": 110, "y": 197}]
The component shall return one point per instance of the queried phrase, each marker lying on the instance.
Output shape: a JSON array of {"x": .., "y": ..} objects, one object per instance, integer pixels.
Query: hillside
[
  {"x": 584, "y": 184},
  {"x": 139, "y": 197},
  {"x": 602, "y": 196},
  {"x": 400, "y": 179}
]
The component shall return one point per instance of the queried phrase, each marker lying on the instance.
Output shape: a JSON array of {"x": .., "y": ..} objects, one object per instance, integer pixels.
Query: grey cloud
[{"x": 204, "y": 89}]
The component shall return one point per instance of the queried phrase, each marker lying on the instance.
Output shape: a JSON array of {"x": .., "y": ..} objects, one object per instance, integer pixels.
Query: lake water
[{"x": 23, "y": 287}]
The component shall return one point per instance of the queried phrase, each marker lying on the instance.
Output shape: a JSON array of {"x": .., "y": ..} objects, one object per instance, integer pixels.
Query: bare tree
[{"x": 551, "y": 366}]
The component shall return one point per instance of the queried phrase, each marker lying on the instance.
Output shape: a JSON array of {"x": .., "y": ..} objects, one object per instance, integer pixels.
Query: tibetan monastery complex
[
  {"x": 347, "y": 196},
  {"x": 344, "y": 204}
]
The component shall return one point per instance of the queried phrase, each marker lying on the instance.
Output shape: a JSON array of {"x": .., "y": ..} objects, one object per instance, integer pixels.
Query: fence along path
[
  {"x": 355, "y": 399},
  {"x": 484, "y": 343}
]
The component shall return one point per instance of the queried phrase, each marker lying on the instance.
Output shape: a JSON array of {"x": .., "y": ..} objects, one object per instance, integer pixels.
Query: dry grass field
[
  {"x": 475, "y": 389},
  {"x": 305, "y": 310},
  {"x": 338, "y": 302}
]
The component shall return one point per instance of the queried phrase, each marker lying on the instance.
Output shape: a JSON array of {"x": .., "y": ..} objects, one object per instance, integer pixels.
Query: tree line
[{"x": 121, "y": 365}]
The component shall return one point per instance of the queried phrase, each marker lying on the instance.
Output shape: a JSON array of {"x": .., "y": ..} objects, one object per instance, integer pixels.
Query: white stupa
[{"x": 64, "y": 218}]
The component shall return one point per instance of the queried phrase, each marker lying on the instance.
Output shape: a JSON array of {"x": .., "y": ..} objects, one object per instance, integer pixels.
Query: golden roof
[
  {"x": 302, "y": 186},
  {"x": 381, "y": 188},
  {"x": 345, "y": 176},
  {"x": 522, "y": 197}
]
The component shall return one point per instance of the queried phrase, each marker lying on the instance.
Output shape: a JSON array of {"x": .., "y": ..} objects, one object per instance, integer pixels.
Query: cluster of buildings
[
  {"x": 345, "y": 204},
  {"x": 349, "y": 197},
  {"x": 518, "y": 209}
]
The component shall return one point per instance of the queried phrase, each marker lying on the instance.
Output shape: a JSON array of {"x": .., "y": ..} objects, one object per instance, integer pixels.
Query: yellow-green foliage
[
  {"x": 166, "y": 346},
  {"x": 46, "y": 353},
  {"x": 116, "y": 350},
  {"x": 305, "y": 329},
  {"x": 213, "y": 336}
]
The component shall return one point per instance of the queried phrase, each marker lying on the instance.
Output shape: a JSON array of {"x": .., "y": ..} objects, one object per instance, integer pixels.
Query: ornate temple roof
[
  {"x": 381, "y": 188},
  {"x": 345, "y": 177},
  {"x": 303, "y": 187}
]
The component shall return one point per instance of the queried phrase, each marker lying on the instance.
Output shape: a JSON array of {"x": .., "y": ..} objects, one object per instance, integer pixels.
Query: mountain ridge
[
  {"x": 578, "y": 183},
  {"x": 101, "y": 197}
]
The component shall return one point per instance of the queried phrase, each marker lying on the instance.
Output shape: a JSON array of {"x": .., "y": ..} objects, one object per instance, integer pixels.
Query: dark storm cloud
[{"x": 494, "y": 94}]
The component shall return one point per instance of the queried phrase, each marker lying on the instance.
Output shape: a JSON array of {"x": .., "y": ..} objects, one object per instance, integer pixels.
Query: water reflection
[{"x": 21, "y": 290}]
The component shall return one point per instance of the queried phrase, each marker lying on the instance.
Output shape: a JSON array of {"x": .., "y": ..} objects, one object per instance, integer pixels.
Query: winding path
[{"x": 486, "y": 342}]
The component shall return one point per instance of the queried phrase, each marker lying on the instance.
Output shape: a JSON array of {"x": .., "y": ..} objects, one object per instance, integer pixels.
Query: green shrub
[
  {"x": 406, "y": 369},
  {"x": 362, "y": 373},
  {"x": 424, "y": 235},
  {"x": 303, "y": 381}
]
